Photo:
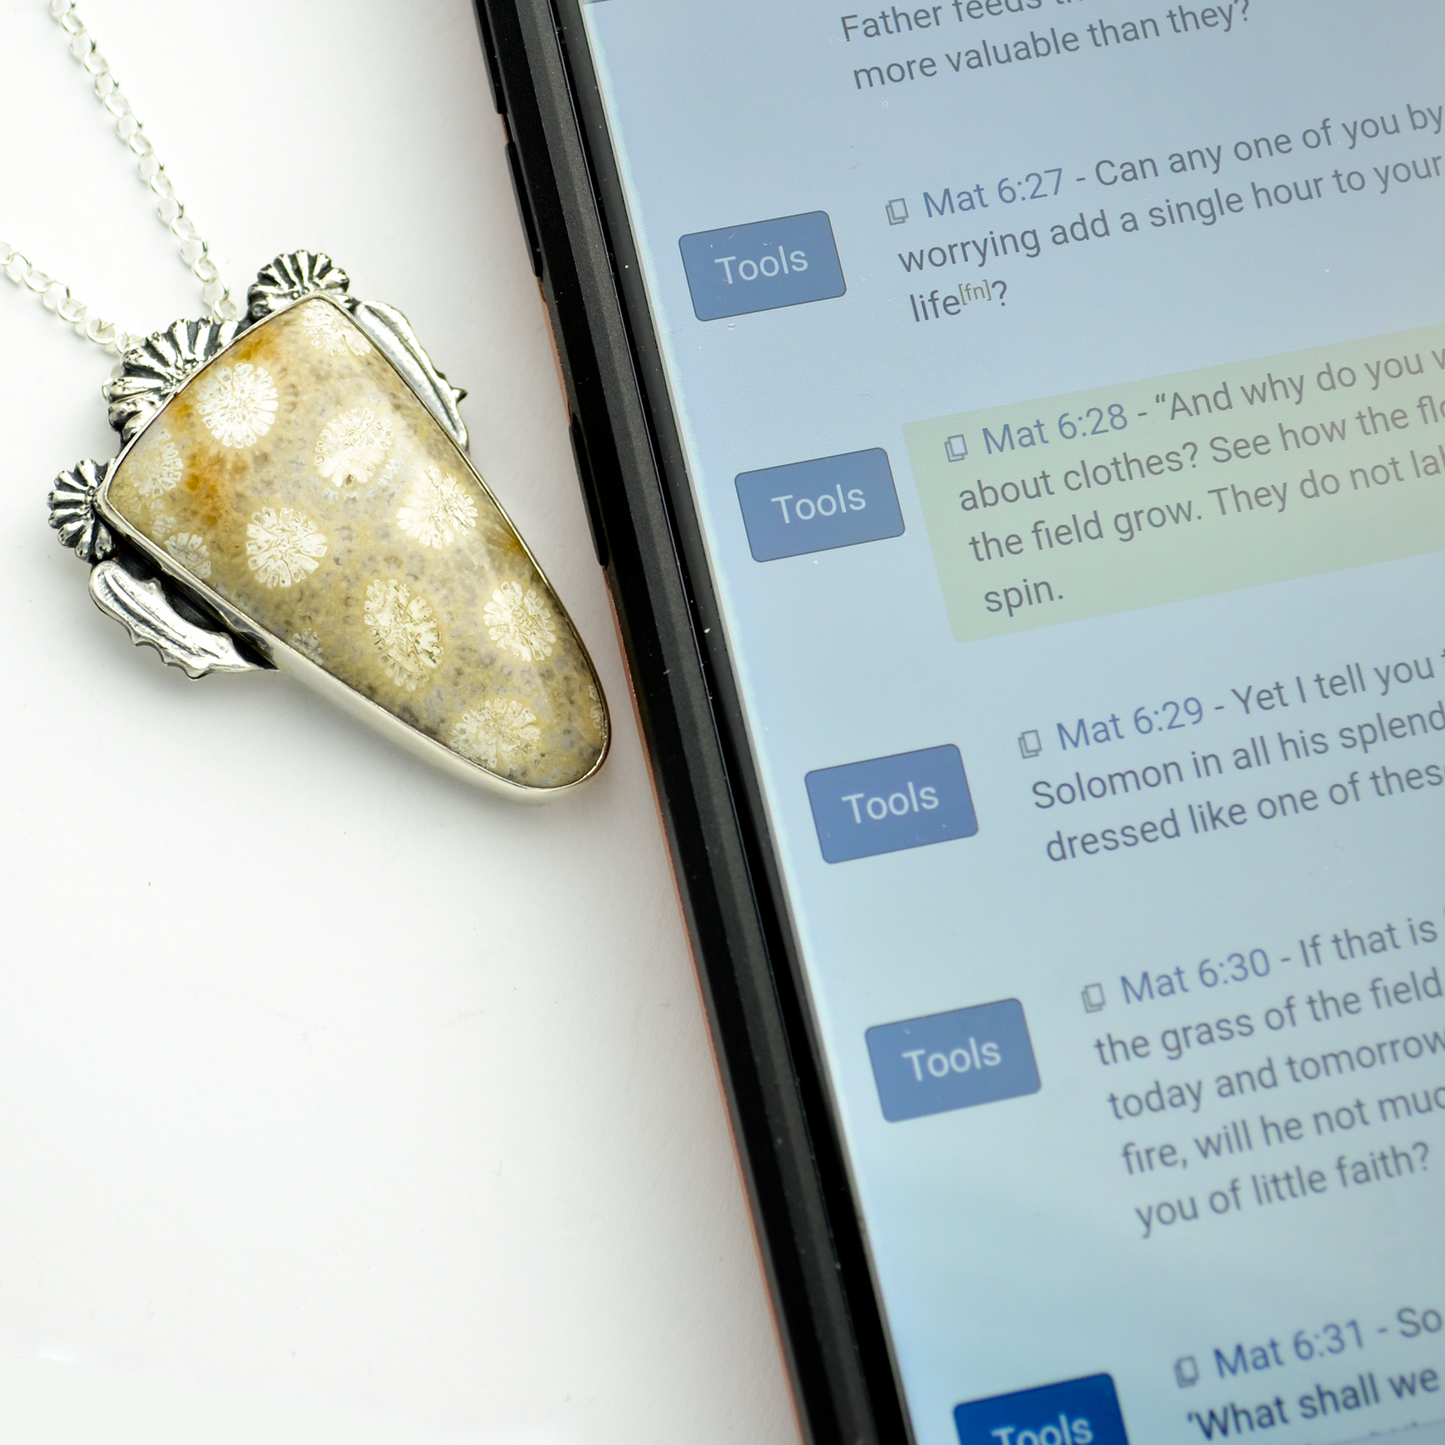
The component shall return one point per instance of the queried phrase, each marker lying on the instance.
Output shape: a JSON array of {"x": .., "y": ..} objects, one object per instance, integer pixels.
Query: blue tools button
[
  {"x": 818, "y": 505},
  {"x": 763, "y": 265},
  {"x": 954, "y": 1060},
  {"x": 1073, "y": 1412},
  {"x": 884, "y": 805}
]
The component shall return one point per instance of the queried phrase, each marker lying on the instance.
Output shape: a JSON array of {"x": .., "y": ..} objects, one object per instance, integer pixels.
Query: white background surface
[{"x": 336, "y": 1100}]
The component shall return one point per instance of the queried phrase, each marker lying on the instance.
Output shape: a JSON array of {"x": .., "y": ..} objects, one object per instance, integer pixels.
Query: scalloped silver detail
[
  {"x": 151, "y": 374},
  {"x": 72, "y": 511},
  {"x": 296, "y": 274},
  {"x": 142, "y": 609}
]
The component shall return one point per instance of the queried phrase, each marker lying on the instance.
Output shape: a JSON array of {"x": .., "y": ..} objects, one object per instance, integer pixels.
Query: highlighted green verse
[{"x": 1159, "y": 491}]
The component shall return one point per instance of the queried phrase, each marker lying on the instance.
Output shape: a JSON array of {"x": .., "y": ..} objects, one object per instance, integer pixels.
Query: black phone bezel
[{"x": 647, "y": 536}]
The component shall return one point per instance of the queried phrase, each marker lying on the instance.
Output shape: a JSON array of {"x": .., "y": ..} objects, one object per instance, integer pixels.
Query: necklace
[{"x": 293, "y": 492}]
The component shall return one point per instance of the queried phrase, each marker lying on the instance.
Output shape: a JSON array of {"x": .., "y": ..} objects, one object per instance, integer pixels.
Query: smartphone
[{"x": 1015, "y": 434}]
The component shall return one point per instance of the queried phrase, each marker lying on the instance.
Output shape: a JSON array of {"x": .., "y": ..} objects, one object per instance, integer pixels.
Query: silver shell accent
[
  {"x": 142, "y": 609},
  {"x": 150, "y": 375},
  {"x": 296, "y": 274},
  {"x": 72, "y": 511}
]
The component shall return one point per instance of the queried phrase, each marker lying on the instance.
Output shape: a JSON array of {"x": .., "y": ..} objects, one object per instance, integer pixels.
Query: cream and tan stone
[{"x": 298, "y": 479}]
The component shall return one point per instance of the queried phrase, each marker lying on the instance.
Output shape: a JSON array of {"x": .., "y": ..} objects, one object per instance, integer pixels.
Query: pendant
[{"x": 293, "y": 492}]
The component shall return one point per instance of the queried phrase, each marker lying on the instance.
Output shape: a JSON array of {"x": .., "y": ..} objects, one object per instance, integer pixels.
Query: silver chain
[{"x": 55, "y": 295}]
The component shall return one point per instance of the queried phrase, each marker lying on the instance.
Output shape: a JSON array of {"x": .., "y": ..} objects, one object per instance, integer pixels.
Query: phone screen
[{"x": 1062, "y": 390}]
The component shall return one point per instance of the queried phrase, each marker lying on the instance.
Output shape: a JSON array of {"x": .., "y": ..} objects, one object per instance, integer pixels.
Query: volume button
[
  {"x": 524, "y": 209},
  {"x": 489, "y": 49},
  {"x": 588, "y": 479}
]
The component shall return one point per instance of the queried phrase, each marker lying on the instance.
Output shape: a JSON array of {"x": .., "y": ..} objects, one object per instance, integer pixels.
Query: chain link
[{"x": 55, "y": 295}]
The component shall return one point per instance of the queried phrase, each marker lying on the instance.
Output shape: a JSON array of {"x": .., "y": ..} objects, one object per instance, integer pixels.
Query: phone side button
[
  {"x": 524, "y": 208},
  {"x": 588, "y": 481},
  {"x": 489, "y": 49}
]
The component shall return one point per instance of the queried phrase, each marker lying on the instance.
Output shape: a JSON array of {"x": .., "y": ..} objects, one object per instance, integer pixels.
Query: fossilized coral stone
[{"x": 297, "y": 482}]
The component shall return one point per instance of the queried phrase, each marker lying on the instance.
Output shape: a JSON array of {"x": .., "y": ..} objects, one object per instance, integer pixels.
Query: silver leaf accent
[
  {"x": 290, "y": 277},
  {"x": 142, "y": 609},
  {"x": 391, "y": 334},
  {"x": 72, "y": 511},
  {"x": 308, "y": 273},
  {"x": 150, "y": 375}
]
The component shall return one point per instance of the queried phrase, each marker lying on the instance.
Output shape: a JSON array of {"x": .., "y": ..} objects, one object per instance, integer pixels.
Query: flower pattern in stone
[
  {"x": 404, "y": 630},
  {"x": 436, "y": 510},
  {"x": 312, "y": 585},
  {"x": 282, "y": 546},
  {"x": 237, "y": 404},
  {"x": 327, "y": 332},
  {"x": 190, "y": 550},
  {"x": 353, "y": 445},
  {"x": 497, "y": 733},
  {"x": 162, "y": 472},
  {"x": 520, "y": 622},
  {"x": 308, "y": 644}
]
